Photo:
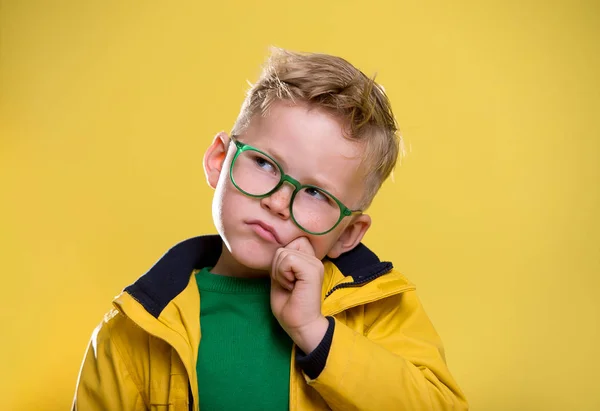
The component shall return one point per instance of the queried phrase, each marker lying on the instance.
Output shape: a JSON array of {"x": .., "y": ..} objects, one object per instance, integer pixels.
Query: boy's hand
[{"x": 296, "y": 282}]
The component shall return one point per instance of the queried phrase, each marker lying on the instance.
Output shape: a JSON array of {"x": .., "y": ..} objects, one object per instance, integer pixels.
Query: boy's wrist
[
  {"x": 313, "y": 364},
  {"x": 310, "y": 336}
]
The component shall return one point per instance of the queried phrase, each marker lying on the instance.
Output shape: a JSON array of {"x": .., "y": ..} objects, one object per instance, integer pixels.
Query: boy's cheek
[{"x": 321, "y": 244}]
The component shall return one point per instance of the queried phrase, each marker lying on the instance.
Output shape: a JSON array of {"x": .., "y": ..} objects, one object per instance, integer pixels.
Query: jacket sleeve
[
  {"x": 397, "y": 363},
  {"x": 105, "y": 380}
]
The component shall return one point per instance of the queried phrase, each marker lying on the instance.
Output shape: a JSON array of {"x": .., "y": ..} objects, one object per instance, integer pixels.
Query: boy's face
[{"x": 309, "y": 145}]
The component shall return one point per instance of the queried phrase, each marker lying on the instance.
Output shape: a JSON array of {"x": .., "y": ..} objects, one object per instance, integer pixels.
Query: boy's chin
[{"x": 253, "y": 256}]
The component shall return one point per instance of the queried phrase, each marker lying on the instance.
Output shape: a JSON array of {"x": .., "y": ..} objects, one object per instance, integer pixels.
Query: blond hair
[{"x": 333, "y": 84}]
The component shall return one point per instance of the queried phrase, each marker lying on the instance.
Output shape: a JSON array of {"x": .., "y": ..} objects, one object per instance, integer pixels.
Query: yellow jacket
[{"x": 385, "y": 353}]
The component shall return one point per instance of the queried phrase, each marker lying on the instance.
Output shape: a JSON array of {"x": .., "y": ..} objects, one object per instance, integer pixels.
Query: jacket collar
[{"x": 171, "y": 273}]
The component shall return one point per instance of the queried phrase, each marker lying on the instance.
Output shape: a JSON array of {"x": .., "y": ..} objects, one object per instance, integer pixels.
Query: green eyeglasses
[{"x": 258, "y": 175}]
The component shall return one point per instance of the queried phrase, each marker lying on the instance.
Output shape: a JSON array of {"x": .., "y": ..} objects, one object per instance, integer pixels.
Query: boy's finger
[
  {"x": 283, "y": 276},
  {"x": 278, "y": 283},
  {"x": 301, "y": 244},
  {"x": 287, "y": 275}
]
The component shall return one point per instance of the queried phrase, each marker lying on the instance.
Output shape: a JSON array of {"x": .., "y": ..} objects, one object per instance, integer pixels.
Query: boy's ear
[
  {"x": 351, "y": 236},
  {"x": 214, "y": 157}
]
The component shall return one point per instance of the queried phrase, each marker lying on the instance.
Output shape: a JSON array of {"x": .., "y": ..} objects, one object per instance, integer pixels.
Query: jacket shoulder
[
  {"x": 401, "y": 278},
  {"x": 118, "y": 336},
  {"x": 121, "y": 331},
  {"x": 136, "y": 348}
]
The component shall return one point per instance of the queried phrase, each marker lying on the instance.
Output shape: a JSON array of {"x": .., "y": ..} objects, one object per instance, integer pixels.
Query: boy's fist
[{"x": 296, "y": 282}]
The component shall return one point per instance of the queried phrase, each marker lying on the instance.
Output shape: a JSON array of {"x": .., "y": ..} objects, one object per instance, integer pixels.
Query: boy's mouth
[{"x": 265, "y": 231}]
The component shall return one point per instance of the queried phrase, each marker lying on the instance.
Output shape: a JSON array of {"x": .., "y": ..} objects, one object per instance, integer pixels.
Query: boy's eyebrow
[
  {"x": 267, "y": 150},
  {"x": 276, "y": 156},
  {"x": 324, "y": 184}
]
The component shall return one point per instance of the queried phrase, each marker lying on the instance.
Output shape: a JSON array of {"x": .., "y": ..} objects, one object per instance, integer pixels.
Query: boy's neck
[{"x": 227, "y": 265}]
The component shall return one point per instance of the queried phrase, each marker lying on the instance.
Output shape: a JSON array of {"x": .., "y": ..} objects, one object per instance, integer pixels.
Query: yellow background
[{"x": 106, "y": 108}]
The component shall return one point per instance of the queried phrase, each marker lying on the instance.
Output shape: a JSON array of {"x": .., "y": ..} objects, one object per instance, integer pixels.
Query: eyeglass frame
[{"x": 286, "y": 178}]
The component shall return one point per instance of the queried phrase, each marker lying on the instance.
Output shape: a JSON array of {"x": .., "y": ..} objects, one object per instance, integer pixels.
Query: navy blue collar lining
[{"x": 171, "y": 273}]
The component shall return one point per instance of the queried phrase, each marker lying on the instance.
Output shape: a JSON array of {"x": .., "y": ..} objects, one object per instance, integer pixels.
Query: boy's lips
[{"x": 265, "y": 231}]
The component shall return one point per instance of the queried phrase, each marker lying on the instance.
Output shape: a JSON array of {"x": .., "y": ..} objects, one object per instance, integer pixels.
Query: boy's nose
[{"x": 279, "y": 201}]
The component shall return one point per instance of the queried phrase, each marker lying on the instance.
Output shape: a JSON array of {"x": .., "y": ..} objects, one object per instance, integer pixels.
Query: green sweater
[{"x": 244, "y": 355}]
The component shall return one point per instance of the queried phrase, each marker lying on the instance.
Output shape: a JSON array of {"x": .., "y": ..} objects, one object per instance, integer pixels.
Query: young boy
[{"x": 285, "y": 308}]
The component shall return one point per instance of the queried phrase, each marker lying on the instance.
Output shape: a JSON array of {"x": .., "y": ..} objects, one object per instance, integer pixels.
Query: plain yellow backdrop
[{"x": 106, "y": 108}]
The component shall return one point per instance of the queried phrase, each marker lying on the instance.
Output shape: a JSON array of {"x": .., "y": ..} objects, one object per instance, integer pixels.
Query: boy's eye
[
  {"x": 264, "y": 164},
  {"x": 317, "y": 194}
]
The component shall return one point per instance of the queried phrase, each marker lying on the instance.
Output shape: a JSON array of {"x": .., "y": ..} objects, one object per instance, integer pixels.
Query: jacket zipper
[{"x": 386, "y": 269}]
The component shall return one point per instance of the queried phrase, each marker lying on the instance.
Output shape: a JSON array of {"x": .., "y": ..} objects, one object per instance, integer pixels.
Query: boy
[{"x": 285, "y": 308}]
